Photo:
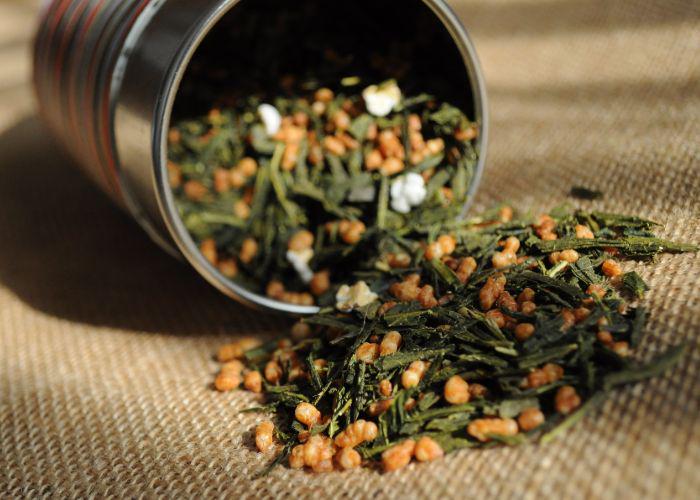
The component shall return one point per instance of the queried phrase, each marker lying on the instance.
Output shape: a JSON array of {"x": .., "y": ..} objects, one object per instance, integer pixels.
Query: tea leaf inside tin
[{"x": 291, "y": 193}]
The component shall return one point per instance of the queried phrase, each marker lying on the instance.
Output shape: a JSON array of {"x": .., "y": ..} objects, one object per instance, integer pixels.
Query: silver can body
[{"x": 107, "y": 74}]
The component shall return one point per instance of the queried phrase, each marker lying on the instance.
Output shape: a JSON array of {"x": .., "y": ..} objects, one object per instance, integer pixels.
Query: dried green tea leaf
[{"x": 634, "y": 284}]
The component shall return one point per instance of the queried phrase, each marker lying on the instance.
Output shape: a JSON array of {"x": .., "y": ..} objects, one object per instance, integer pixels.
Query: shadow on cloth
[{"x": 67, "y": 251}]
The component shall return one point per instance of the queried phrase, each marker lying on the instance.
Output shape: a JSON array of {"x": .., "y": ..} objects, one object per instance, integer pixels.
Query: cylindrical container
[{"x": 107, "y": 74}]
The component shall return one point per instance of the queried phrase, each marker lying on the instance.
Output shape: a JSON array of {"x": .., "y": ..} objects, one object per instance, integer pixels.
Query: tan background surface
[{"x": 106, "y": 343}]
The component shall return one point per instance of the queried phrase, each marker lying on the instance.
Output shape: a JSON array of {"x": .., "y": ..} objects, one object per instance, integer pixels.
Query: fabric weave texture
[{"x": 106, "y": 343}]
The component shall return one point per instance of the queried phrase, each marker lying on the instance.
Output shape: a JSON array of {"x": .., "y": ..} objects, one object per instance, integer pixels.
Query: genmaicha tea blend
[
  {"x": 485, "y": 332},
  {"x": 435, "y": 332},
  {"x": 112, "y": 79},
  {"x": 291, "y": 198}
]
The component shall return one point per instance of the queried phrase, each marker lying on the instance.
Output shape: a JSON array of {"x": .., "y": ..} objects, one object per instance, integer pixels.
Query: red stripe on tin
[
  {"x": 51, "y": 18},
  {"x": 46, "y": 83},
  {"x": 106, "y": 118},
  {"x": 61, "y": 68},
  {"x": 67, "y": 34},
  {"x": 61, "y": 87},
  {"x": 92, "y": 95},
  {"x": 91, "y": 110},
  {"x": 80, "y": 46},
  {"x": 86, "y": 112},
  {"x": 61, "y": 9}
]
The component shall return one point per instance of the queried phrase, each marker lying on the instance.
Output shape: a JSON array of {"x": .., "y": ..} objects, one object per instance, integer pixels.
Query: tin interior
[{"x": 256, "y": 43}]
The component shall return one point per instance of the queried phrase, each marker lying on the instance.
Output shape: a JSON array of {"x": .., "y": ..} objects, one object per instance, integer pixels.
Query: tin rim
[{"x": 164, "y": 108}]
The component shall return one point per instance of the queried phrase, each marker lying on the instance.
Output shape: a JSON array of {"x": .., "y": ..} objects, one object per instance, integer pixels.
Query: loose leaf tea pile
[
  {"x": 482, "y": 332},
  {"x": 277, "y": 194},
  {"x": 435, "y": 332}
]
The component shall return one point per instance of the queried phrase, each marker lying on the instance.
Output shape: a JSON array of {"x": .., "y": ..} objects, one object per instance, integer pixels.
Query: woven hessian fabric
[{"x": 106, "y": 343}]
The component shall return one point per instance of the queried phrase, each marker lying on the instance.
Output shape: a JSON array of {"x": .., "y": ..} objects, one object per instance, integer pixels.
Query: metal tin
[{"x": 107, "y": 73}]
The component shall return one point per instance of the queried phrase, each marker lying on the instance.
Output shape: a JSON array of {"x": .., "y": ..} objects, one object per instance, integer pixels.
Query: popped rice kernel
[
  {"x": 398, "y": 456},
  {"x": 348, "y": 458},
  {"x": 252, "y": 381},
  {"x": 307, "y": 414},
  {"x": 544, "y": 227},
  {"x": 300, "y": 331},
  {"x": 227, "y": 381},
  {"x": 208, "y": 249},
  {"x": 482, "y": 427},
  {"x": 611, "y": 268},
  {"x": 264, "y": 438},
  {"x": 399, "y": 260},
  {"x": 524, "y": 331},
  {"x": 530, "y": 418},
  {"x": 427, "y": 450},
  {"x": 566, "y": 400},
  {"x": 506, "y": 257},
  {"x": 228, "y": 268},
  {"x": 249, "y": 249},
  {"x": 367, "y": 352},
  {"x": 385, "y": 387},
  {"x": 237, "y": 349},
  {"x": 466, "y": 268},
  {"x": 317, "y": 453},
  {"x": 526, "y": 295},
  {"x": 390, "y": 343},
  {"x": 596, "y": 290},
  {"x": 584, "y": 232},
  {"x": 301, "y": 241},
  {"x": 548, "y": 374},
  {"x": 320, "y": 282},
  {"x": 413, "y": 374},
  {"x": 273, "y": 372},
  {"x": 376, "y": 408},
  {"x": 456, "y": 390},
  {"x": 358, "y": 432},
  {"x": 491, "y": 290}
]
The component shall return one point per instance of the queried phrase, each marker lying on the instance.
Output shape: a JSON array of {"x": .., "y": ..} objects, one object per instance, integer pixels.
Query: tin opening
[{"x": 259, "y": 45}]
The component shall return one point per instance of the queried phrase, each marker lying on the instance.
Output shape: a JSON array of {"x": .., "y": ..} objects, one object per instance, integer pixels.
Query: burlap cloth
[{"x": 106, "y": 342}]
